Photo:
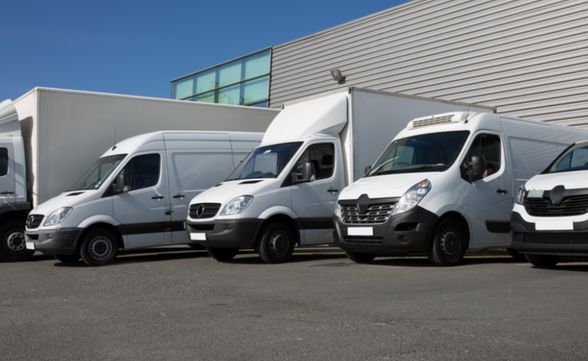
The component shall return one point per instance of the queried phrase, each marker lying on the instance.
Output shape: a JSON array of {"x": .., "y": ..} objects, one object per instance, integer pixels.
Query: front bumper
[
  {"x": 526, "y": 239},
  {"x": 60, "y": 241},
  {"x": 240, "y": 233},
  {"x": 408, "y": 232}
]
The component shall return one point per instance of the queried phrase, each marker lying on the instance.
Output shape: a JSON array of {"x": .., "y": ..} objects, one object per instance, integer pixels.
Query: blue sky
[{"x": 137, "y": 47}]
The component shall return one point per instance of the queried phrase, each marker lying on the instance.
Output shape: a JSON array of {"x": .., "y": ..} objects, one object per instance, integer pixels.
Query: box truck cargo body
[
  {"x": 51, "y": 136},
  {"x": 136, "y": 195},
  {"x": 285, "y": 191},
  {"x": 444, "y": 185}
]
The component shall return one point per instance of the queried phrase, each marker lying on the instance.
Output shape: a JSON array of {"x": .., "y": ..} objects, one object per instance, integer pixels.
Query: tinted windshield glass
[
  {"x": 95, "y": 176},
  {"x": 575, "y": 158},
  {"x": 433, "y": 152},
  {"x": 265, "y": 162}
]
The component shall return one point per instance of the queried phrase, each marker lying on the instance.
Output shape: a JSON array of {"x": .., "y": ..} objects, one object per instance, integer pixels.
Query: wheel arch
[
  {"x": 104, "y": 225},
  {"x": 459, "y": 218},
  {"x": 281, "y": 218}
]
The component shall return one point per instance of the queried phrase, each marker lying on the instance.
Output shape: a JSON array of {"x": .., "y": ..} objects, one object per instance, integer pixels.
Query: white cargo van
[
  {"x": 444, "y": 185},
  {"x": 136, "y": 195},
  {"x": 550, "y": 216},
  {"x": 285, "y": 191}
]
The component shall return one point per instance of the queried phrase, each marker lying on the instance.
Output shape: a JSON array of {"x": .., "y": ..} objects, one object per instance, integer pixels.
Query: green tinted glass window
[
  {"x": 205, "y": 81},
  {"x": 184, "y": 88},
  {"x": 230, "y": 95},
  {"x": 229, "y": 73},
  {"x": 255, "y": 90},
  {"x": 256, "y": 65}
]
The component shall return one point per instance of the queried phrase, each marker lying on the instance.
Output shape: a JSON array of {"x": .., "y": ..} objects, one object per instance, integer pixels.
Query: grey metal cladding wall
[{"x": 528, "y": 58}]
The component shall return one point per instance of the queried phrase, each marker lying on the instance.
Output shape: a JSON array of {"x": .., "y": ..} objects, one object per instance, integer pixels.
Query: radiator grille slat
[
  {"x": 556, "y": 238},
  {"x": 375, "y": 213},
  {"x": 570, "y": 206}
]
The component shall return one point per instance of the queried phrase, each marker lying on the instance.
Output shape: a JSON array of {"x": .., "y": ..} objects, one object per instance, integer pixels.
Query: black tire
[
  {"x": 14, "y": 248},
  {"x": 222, "y": 254},
  {"x": 543, "y": 261},
  {"x": 276, "y": 244},
  {"x": 449, "y": 244},
  {"x": 360, "y": 257},
  {"x": 99, "y": 247},
  {"x": 519, "y": 257},
  {"x": 67, "y": 258}
]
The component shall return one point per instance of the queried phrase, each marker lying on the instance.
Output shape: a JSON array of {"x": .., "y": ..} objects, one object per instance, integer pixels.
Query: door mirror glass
[
  {"x": 476, "y": 168},
  {"x": 118, "y": 186}
]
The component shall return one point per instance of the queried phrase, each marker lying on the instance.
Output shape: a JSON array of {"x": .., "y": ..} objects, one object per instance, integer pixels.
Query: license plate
[
  {"x": 360, "y": 231},
  {"x": 31, "y": 245},
  {"x": 554, "y": 226},
  {"x": 198, "y": 236}
]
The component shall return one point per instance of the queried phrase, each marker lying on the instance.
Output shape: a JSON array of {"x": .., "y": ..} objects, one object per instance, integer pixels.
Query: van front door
[
  {"x": 314, "y": 202},
  {"x": 489, "y": 201},
  {"x": 7, "y": 180},
  {"x": 141, "y": 209}
]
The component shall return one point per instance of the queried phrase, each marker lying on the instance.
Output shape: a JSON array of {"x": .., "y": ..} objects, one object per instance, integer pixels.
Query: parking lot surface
[{"x": 179, "y": 304}]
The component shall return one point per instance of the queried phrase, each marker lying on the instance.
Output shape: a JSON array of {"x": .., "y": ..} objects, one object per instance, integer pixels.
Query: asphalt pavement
[{"x": 176, "y": 303}]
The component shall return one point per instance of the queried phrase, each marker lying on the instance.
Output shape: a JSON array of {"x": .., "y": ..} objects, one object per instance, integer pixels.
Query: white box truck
[
  {"x": 444, "y": 185},
  {"x": 136, "y": 195},
  {"x": 50, "y": 137},
  {"x": 550, "y": 215},
  {"x": 285, "y": 191}
]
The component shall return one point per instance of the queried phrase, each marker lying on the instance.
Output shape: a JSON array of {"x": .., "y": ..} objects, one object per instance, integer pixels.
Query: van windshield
[
  {"x": 433, "y": 152},
  {"x": 265, "y": 162},
  {"x": 98, "y": 172},
  {"x": 572, "y": 159}
]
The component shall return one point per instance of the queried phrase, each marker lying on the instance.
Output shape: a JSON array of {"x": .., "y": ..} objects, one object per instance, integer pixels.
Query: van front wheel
[
  {"x": 14, "y": 248},
  {"x": 99, "y": 247},
  {"x": 277, "y": 243},
  {"x": 449, "y": 244}
]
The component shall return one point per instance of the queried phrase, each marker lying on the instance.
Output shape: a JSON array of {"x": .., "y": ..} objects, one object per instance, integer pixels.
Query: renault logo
[{"x": 200, "y": 211}]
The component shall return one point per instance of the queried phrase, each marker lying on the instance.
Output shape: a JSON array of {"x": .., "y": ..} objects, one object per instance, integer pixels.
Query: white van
[
  {"x": 136, "y": 195},
  {"x": 445, "y": 185},
  {"x": 550, "y": 216}
]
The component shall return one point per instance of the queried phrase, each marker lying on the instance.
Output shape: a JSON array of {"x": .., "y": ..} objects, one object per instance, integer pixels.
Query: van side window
[
  {"x": 321, "y": 156},
  {"x": 3, "y": 162},
  {"x": 142, "y": 172},
  {"x": 489, "y": 146}
]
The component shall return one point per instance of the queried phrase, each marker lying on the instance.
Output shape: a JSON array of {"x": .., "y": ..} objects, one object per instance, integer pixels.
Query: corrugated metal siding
[{"x": 528, "y": 58}]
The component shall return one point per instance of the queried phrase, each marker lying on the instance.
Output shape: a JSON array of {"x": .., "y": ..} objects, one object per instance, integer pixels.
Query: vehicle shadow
[{"x": 144, "y": 255}]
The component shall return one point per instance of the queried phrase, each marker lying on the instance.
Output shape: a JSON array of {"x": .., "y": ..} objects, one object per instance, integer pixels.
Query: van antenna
[
  {"x": 467, "y": 113},
  {"x": 114, "y": 146}
]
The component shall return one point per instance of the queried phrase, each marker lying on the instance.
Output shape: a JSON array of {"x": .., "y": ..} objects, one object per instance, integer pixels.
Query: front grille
[
  {"x": 34, "y": 220},
  {"x": 555, "y": 238},
  {"x": 570, "y": 206},
  {"x": 376, "y": 213},
  {"x": 363, "y": 240},
  {"x": 204, "y": 210}
]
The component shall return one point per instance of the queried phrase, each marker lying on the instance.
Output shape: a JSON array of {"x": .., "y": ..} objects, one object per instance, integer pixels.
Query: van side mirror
[
  {"x": 367, "y": 169},
  {"x": 307, "y": 174},
  {"x": 118, "y": 186},
  {"x": 476, "y": 168}
]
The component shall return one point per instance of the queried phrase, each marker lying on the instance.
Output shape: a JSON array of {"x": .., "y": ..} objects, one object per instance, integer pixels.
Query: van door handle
[
  {"x": 157, "y": 197},
  {"x": 179, "y": 196},
  {"x": 502, "y": 191},
  {"x": 332, "y": 190},
  {"x": 7, "y": 192}
]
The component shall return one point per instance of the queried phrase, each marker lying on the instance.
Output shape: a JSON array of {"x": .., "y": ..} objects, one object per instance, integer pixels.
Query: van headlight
[
  {"x": 412, "y": 197},
  {"x": 521, "y": 193},
  {"x": 57, "y": 216},
  {"x": 338, "y": 211},
  {"x": 236, "y": 205}
]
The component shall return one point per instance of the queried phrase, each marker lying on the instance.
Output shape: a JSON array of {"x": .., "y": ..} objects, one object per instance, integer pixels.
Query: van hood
[
  {"x": 384, "y": 186},
  {"x": 225, "y": 191},
  {"x": 570, "y": 180},
  {"x": 65, "y": 199}
]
